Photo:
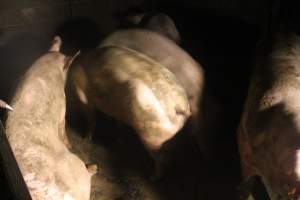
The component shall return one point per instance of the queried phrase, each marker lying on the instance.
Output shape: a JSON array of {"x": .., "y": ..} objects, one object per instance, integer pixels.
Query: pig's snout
[
  {"x": 4, "y": 105},
  {"x": 56, "y": 44}
]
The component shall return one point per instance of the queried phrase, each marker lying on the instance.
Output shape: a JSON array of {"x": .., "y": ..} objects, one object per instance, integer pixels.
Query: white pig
[
  {"x": 133, "y": 88},
  {"x": 166, "y": 52},
  {"x": 269, "y": 132},
  {"x": 36, "y": 132}
]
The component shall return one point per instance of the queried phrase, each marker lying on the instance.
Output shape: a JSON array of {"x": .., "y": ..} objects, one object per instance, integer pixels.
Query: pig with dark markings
[
  {"x": 135, "y": 89},
  {"x": 165, "y": 51},
  {"x": 37, "y": 136},
  {"x": 269, "y": 132}
]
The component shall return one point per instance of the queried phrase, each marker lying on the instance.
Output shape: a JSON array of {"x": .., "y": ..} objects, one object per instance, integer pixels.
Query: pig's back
[
  {"x": 163, "y": 51},
  {"x": 133, "y": 87},
  {"x": 39, "y": 97}
]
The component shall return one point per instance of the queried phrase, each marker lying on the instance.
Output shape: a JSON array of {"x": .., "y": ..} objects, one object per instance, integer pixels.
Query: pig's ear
[
  {"x": 56, "y": 44},
  {"x": 4, "y": 105},
  {"x": 69, "y": 60}
]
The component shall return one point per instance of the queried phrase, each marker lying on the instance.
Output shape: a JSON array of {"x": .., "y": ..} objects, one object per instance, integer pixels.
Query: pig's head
[
  {"x": 157, "y": 22},
  {"x": 61, "y": 61},
  {"x": 276, "y": 151},
  {"x": 162, "y": 24},
  {"x": 282, "y": 176}
]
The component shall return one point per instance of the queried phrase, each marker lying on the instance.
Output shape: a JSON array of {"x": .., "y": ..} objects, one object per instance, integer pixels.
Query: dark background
[{"x": 219, "y": 34}]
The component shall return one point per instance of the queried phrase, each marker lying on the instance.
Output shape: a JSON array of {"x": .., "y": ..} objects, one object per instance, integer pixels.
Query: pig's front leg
[
  {"x": 158, "y": 165},
  {"x": 160, "y": 155},
  {"x": 161, "y": 160},
  {"x": 81, "y": 89}
]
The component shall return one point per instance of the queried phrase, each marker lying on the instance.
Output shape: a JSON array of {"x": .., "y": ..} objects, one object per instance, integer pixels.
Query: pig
[
  {"x": 156, "y": 22},
  {"x": 269, "y": 131},
  {"x": 166, "y": 52},
  {"x": 37, "y": 136},
  {"x": 134, "y": 89}
]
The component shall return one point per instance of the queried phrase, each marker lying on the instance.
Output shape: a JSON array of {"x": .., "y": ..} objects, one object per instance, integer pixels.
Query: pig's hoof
[{"x": 92, "y": 168}]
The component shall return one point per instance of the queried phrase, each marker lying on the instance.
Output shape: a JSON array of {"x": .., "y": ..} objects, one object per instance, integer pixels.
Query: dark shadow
[
  {"x": 255, "y": 187},
  {"x": 79, "y": 34}
]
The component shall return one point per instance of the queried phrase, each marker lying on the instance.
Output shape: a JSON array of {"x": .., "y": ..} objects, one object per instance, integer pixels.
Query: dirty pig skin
[
  {"x": 153, "y": 42},
  {"x": 136, "y": 90},
  {"x": 269, "y": 132},
  {"x": 36, "y": 132}
]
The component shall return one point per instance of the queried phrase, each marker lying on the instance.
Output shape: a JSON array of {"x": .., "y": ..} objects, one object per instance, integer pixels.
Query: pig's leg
[
  {"x": 196, "y": 129},
  {"x": 159, "y": 154},
  {"x": 161, "y": 160},
  {"x": 81, "y": 89},
  {"x": 158, "y": 166},
  {"x": 154, "y": 149}
]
